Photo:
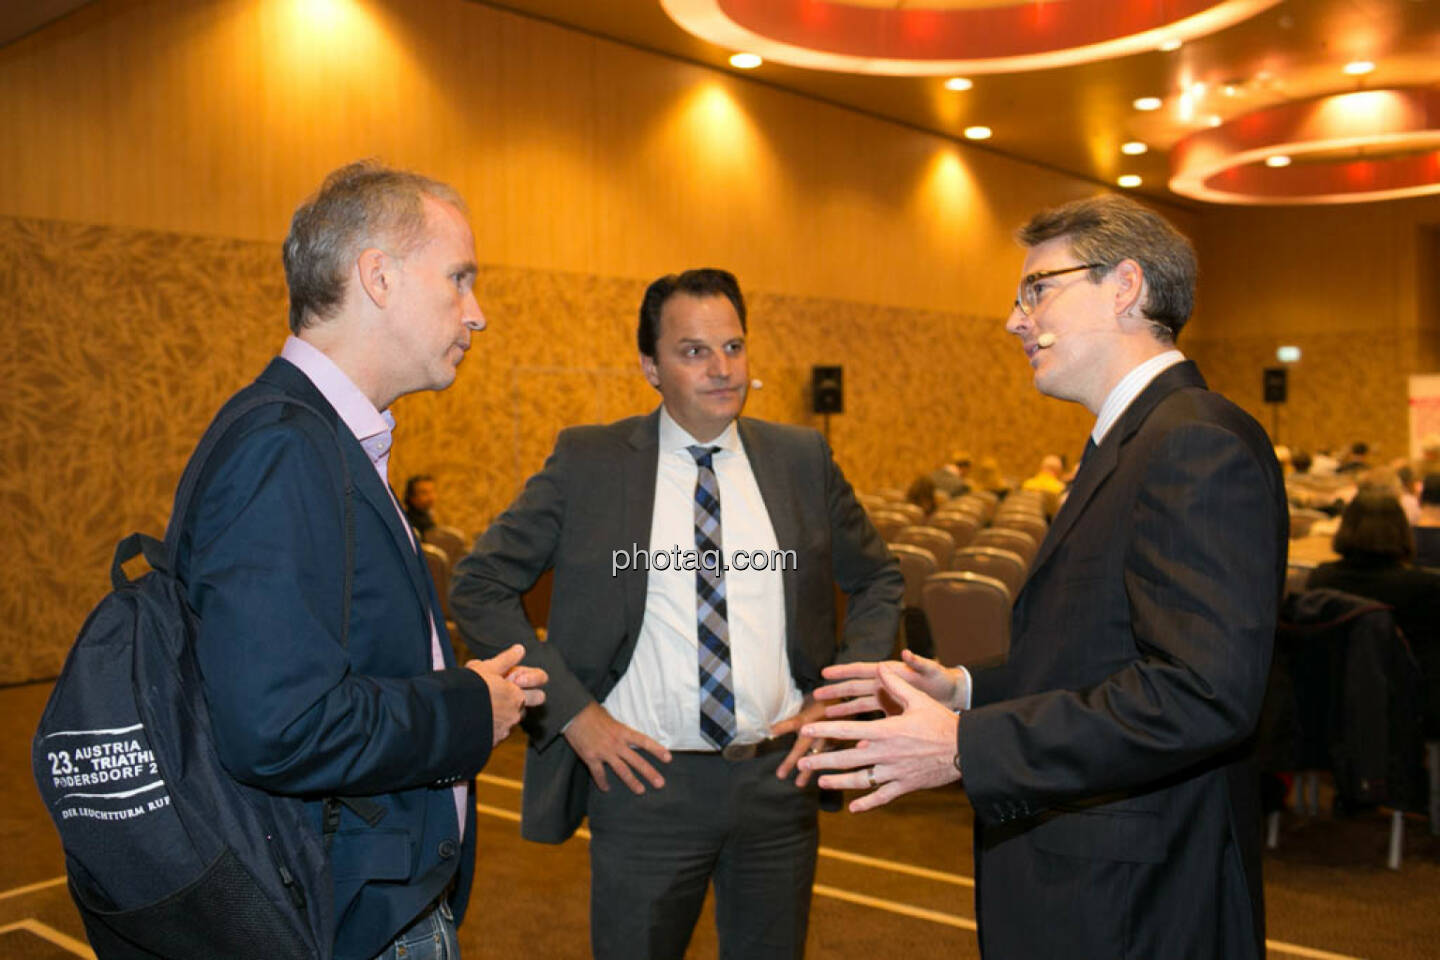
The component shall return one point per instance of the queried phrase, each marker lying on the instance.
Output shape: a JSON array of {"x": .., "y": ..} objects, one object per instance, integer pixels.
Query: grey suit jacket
[
  {"x": 596, "y": 494},
  {"x": 1108, "y": 760}
]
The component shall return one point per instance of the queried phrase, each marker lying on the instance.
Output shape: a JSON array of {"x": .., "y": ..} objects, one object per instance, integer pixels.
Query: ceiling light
[
  {"x": 1231, "y": 89},
  {"x": 1170, "y": 46},
  {"x": 1129, "y": 180},
  {"x": 1215, "y": 120},
  {"x": 977, "y": 133},
  {"x": 1133, "y": 149},
  {"x": 1148, "y": 103},
  {"x": 1358, "y": 68},
  {"x": 959, "y": 83},
  {"x": 746, "y": 61},
  {"x": 1278, "y": 160}
]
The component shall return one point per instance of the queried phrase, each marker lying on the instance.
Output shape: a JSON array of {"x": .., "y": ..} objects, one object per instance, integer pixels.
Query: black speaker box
[{"x": 827, "y": 389}]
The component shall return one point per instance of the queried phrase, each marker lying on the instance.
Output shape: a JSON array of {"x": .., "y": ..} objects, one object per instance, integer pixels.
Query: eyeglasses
[{"x": 1030, "y": 292}]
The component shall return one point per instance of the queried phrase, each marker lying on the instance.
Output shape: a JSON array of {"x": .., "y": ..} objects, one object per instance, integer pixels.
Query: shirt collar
[
  {"x": 675, "y": 438},
  {"x": 370, "y": 426},
  {"x": 1129, "y": 387}
]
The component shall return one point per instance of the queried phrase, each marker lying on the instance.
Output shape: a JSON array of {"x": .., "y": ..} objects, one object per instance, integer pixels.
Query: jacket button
[{"x": 447, "y": 849}]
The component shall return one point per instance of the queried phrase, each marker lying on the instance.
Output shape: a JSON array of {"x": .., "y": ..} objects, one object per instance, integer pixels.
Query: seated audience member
[
  {"x": 922, "y": 494},
  {"x": 949, "y": 478},
  {"x": 1392, "y": 482},
  {"x": 1427, "y": 529},
  {"x": 1376, "y": 549},
  {"x": 1300, "y": 462},
  {"x": 1357, "y": 459},
  {"x": 987, "y": 476},
  {"x": 1323, "y": 465},
  {"x": 1047, "y": 480},
  {"x": 420, "y": 502},
  {"x": 1284, "y": 458}
]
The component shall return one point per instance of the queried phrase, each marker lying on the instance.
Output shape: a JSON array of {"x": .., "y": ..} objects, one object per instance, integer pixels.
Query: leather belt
[{"x": 736, "y": 752}]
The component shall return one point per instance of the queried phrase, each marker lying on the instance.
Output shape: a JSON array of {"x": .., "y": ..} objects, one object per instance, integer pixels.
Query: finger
[
  {"x": 528, "y": 677},
  {"x": 922, "y": 665},
  {"x": 850, "y": 759},
  {"x": 533, "y": 698},
  {"x": 633, "y": 760},
  {"x": 847, "y": 688},
  {"x": 787, "y": 766},
  {"x": 597, "y": 773},
  {"x": 848, "y": 671},
  {"x": 626, "y": 775},
  {"x": 850, "y": 708},
  {"x": 637, "y": 740},
  {"x": 503, "y": 661},
  {"x": 848, "y": 729},
  {"x": 896, "y": 686},
  {"x": 879, "y": 797}
]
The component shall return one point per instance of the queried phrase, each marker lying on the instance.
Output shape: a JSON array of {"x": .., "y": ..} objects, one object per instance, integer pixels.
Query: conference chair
[
  {"x": 1007, "y": 566},
  {"x": 961, "y": 526},
  {"x": 1032, "y": 523},
  {"x": 1007, "y": 538},
  {"x": 913, "y": 513},
  {"x": 889, "y": 522},
  {"x": 940, "y": 544},
  {"x": 449, "y": 539},
  {"x": 969, "y": 617}
]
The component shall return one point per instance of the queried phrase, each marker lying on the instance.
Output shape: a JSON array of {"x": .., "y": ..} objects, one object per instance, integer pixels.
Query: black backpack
[{"x": 167, "y": 855}]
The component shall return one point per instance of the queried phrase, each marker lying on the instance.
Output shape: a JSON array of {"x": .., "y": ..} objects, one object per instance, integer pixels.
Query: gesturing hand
[
  {"x": 811, "y": 709},
  {"x": 912, "y": 750},
  {"x": 512, "y": 688},
  {"x": 600, "y": 741},
  {"x": 860, "y": 692}
]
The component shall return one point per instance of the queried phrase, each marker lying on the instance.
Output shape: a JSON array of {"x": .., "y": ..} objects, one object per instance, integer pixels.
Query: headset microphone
[{"x": 1045, "y": 340}]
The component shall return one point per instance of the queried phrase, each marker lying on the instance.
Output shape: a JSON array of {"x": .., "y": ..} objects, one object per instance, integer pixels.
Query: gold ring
[
  {"x": 813, "y": 750},
  {"x": 870, "y": 775}
]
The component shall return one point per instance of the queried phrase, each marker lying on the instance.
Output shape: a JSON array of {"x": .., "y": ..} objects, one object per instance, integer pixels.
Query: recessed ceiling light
[
  {"x": 1129, "y": 180},
  {"x": 959, "y": 83},
  {"x": 1133, "y": 149},
  {"x": 1358, "y": 68},
  {"x": 1148, "y": 103},
  {"x": 1171, "y": 45},
  {"x": 977, "y": 133},
  {"x": 1215, "y": 120},
  {"x": 1231, "y": 90},
  {"x": 746, "y": 61},
  {"x": 1278, "y": 160}
]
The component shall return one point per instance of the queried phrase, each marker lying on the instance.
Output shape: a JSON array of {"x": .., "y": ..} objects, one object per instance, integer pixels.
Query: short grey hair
[
  {"x": 1107, "y": 229},
  {"x": 361, "y": 204}
]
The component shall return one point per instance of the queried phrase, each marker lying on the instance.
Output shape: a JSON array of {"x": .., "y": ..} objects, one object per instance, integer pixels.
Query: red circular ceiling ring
[
  {"x": 1347, "y": 148},
  {"x": 977, "y": 39}
]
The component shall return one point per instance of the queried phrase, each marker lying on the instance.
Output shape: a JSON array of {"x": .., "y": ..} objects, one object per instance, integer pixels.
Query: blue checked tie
[{"x": 717, "y": 695}]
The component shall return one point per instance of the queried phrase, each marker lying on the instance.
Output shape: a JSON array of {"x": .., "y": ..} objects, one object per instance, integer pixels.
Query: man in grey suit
[
  {"x": 696, "y": 555},
  {"x": 1109, "y": 760}
]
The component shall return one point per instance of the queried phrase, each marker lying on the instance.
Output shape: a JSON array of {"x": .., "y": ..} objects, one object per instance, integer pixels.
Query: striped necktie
[{"x": 717, "y": 693}]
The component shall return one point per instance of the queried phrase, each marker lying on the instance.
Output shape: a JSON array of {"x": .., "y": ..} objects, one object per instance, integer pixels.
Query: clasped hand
[
  {"x": 513, "y": 688},
  {"x": 911, "y": 748}
]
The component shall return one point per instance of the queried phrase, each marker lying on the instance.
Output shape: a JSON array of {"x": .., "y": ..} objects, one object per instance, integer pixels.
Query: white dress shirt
[{"x": 659, "y": 694}]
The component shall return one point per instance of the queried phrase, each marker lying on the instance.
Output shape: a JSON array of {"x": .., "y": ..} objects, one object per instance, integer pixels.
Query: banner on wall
[{"x": 1424, "y": 411}]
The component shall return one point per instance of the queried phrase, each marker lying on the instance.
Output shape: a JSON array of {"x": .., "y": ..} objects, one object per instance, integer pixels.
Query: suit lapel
[
  {"x": 768, "y": 467},
  {"x": 637, "y": 486},
  {"x": 363, "y": 477},
  {"x": 1103, "y": 460}
]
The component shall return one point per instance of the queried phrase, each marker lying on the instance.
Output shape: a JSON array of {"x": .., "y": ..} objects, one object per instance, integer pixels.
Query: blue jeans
[{"x": 432, "y": 937}]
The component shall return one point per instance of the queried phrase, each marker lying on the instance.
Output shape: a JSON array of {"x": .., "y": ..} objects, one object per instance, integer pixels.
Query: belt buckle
[{"x": 735, "y": 752}]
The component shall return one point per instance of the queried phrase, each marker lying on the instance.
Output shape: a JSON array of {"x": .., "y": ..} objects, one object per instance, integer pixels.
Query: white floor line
[
  {"x": 1278, "y": 946},
  {"x": 45, "y": 932},
  {"x": 32, "y": 887}
]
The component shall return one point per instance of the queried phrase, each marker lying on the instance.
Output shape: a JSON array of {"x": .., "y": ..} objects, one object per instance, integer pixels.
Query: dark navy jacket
[{"x": 294, "y": 711}]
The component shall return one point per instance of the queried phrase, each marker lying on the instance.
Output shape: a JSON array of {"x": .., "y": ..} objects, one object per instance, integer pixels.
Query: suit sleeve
[
  {"x": 487, "y": 585},
  {"x": 864, "y": 569},
  {"x": 265, "y": 574},
  {"x": 1201, "y": 582}
]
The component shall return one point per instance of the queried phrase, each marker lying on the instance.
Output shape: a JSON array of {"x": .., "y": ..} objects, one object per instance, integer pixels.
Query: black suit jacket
[
  {"x": 297, "y": 714},
  {"x": 595, "y": 495},
  {"x": 1116, "y": 807}
]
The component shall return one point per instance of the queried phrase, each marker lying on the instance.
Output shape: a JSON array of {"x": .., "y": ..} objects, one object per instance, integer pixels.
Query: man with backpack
[{"x": 324, "y": 682}]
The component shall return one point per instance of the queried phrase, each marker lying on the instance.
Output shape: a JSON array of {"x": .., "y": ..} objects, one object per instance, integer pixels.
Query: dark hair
[
  {"x": 1107, "y": 229},
  {"x": 1359, "y": 448},
  {"x": 922, "y": 493},
  {"x": 1374, "y": 525},
  {"x": 358, "y": 205},
  {"x": 702, "y": 282},
  {"x": 1301, "y": 461},
  {"x": 413, "y": 482},
  {"x": 1430, "y": 490}
]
